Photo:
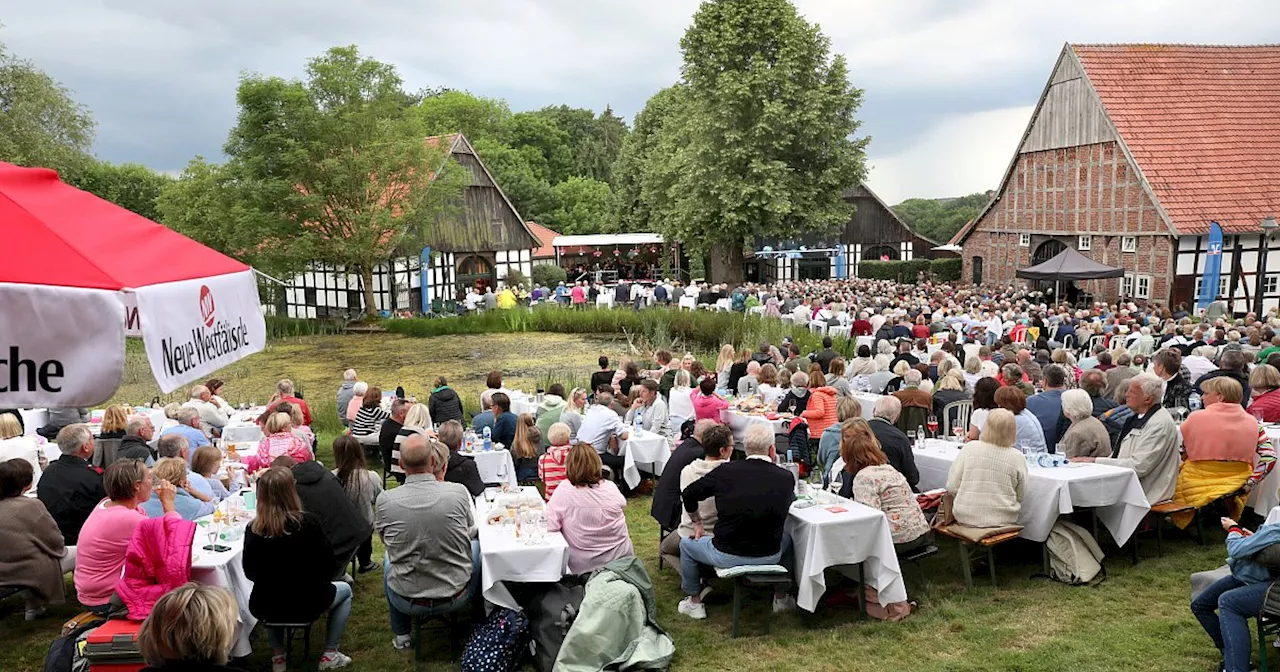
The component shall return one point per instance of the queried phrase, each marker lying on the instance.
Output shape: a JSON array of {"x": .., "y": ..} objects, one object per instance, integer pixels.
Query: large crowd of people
[{"x": 1178, "y": 398}]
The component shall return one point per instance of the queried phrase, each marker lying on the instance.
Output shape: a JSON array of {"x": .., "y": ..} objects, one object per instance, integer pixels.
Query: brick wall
[{"x": 1062, "y": 193}]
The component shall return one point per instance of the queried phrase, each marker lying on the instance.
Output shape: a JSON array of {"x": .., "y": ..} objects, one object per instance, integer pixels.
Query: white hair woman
[
  {"x": 989, "y": 477},
  {"x": 1087, "y": 436},
  {"x": 797, "y": 399}
]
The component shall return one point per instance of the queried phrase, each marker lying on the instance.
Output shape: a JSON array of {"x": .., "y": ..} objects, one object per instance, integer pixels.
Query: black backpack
[
  {"x": 62, "y": 651},
  {"x": 551, "y": 609},
  {"x": 498, "y": 644}
]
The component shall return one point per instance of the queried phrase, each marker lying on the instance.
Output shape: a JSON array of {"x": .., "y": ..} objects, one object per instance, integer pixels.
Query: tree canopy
[
  {"x": 940, "y": 218},
  {"x": 40, "y": 123}
]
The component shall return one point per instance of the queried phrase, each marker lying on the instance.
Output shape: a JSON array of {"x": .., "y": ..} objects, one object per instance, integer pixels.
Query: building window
[
  {"x": 1024, "y": 240},
  {"x": 1222, "y": 285},
  {"x": 1126, "y": 285},
  {"x": 1143, "y": 287},
  {"x": 1128, "y": 243},
  {"x": 309, "y": 296},
  {"x": 1085, "y": 243},
  {"x": 1271, "y": 284}
]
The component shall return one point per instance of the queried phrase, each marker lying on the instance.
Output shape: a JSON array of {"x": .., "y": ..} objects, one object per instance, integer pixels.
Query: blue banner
[
  {"x": 424, "y": 287},
  {"x": 841, "y": 265},
  {"x": 1212, "y": 268}
]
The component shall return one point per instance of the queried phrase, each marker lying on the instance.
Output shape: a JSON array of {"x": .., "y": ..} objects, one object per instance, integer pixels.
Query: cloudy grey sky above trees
[{"x": 949, "y": 86}]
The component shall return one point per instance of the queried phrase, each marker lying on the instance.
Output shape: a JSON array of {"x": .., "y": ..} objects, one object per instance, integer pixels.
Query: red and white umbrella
[{"x": 74, "y": 269}]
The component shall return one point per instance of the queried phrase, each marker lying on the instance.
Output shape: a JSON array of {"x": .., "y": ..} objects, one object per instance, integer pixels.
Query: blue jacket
[
  {"x": 187, "y": 506},
  {"x": 829, "y": 448},
  {"x": 1047, "y": 407},
  {"x": 194, "y": 436},
  {"x": 1241, "y": 548}
]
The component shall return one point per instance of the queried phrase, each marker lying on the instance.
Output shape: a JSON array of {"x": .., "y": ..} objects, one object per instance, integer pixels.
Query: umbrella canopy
[
  {"x": 1070, "y": 265},
  {"x": 78, "y": 267}
]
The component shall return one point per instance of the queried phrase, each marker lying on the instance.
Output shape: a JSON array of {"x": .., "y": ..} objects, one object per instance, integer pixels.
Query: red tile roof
[
  {"x": 545, "y": 236},
  {"x": 1202, "y": 123}
]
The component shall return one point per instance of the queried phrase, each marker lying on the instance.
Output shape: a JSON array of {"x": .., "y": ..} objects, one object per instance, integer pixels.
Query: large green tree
[
  {"x": 762, "y": 144},
  {"x": 583, "y": 205},
  {"x": 340, "y": 162},
  {"x": 939, "y": 219},
  {"x": 128, "y": 185},
  {"x": 460, "y": 111},
  {"x": 40, "y": 123},
  {"x": 639, "y": 160}
]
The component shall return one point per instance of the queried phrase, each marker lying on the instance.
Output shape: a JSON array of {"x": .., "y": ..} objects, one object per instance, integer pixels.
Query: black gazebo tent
[{"x": 1070, "y": 265}]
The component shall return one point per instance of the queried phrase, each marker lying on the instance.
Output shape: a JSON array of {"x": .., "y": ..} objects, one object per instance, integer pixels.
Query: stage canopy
[{"x": 1070, "y": 265}]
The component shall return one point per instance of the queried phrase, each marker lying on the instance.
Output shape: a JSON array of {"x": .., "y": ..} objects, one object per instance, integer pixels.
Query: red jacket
[
  {"x": 158, "y": 560},
  {"x": 1268, "y": 403},
  {"x": 821, "y": 411}
]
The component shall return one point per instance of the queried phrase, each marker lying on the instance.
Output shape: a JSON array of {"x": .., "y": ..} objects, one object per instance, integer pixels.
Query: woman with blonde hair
[
  {"x": 190, "y": 628},
  {"x": 1264, "y": 388},
  {"x": 768, "y": 389},
  {"x": 173, "y": 470},
  {"x": 575, "y": 409},
  {"x": 206, "y": 461},
  {"x": 416, "y": 421},
  {"x": 989, "y": 476},
  {"x": 524, "y": 450},
  {"x": 680, "y": 401},
  {"x": 723, "y": 361},
  {"x": 279, "y": 440},
  {"x": 13, "y": 445},
  {"x": 113, "y": 422},
  {"x": 972, "y": 372},
  {"x": 589, "y": 512},
  {"x": 281, "y": 548}
]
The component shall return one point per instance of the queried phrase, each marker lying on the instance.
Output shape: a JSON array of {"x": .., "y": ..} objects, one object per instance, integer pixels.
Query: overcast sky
[{"x": 949, "y": 85}]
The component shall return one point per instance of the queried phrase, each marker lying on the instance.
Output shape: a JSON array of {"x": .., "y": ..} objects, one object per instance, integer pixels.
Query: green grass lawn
[{"x": 1138, "y": 619}]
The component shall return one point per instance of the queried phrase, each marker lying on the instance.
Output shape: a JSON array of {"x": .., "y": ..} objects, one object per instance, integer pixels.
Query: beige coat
[{"x": 32, "y": 548}]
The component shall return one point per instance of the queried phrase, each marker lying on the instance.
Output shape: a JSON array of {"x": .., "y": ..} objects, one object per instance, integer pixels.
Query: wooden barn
[
  {"x": 873, "y": 233},
  {"x": 1132, "y": 151},
  {"x": 475, "y": 247}
]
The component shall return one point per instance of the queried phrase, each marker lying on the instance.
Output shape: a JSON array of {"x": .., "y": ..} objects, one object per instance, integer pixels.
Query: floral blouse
[{"x": 885, "y": 488}]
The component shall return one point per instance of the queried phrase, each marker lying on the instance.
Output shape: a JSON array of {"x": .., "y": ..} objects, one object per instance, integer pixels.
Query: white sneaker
[
  {"x": 706, "y": 590},
  {"x": 33, "y": 614},
  {"x": 332, "y": 661},
  {"x": 277, "y": 664},
  {"x": 695, "y": 611},
  {"x": 401, "y": 642},
  {"x": 784, "y": 603}
]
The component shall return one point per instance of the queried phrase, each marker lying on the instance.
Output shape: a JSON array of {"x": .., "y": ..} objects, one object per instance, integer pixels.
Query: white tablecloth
[
  {"x": 33, "y": 419},
  {"x": 869, "y": 341},
  {"x": 1273, "y": 517},
  {"x": 605, "y": 299},
  {"x": 690, "y": 302},
  {"x": 226, "y": 570},
  {"x": 238, "y": 431},
  {"x": 504, "y": 558},
  {"x": 643, "y": 449},
  {"x": 739, "y": 421},
  {"x": 1114, "y": 492},
  {"x": 868, "y": 402},
  {"x": 860, "y": 535},
  {"x": 1265, "y": 497},
  {"x": 495, "y": 466},
  {"x": 523, "y": 403}
]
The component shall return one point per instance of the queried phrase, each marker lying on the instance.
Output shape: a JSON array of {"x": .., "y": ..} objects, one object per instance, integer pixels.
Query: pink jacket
[
  {"x": 158, "y": 560},
  {"x": 707, "y": 406},
  {"x": 275, "y": 445}
]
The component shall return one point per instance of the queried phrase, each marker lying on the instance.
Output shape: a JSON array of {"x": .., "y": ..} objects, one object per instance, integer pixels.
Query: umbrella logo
[{"x": 206, "y": 305}]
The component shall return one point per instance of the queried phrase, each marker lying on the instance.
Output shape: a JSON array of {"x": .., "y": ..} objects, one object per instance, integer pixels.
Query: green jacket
[
  {"x": 667, "y": 382},
  {"x": 617, "y": 626},
  {"x": 549, "y": 414}
]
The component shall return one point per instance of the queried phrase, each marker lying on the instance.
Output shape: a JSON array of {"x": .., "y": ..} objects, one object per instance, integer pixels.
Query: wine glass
[
  {"x": 212, "y": 533},
  {"x": 932, "y": 423},
  {"x": 959, "y": 433}
]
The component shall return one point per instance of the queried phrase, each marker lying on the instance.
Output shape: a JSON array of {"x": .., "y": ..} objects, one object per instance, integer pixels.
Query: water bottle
[
  {"x": 488, "y": 443},
  {"x": 488, "y": 432},
  {"x": 920, "y": 437},
  {"x": 1193, "y": 402}
]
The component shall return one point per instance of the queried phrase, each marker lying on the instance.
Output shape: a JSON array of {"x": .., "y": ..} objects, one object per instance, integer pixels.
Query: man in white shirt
[
  {"x": 602, "y": 428},
  {"x": 211, "y": 417},
  {"x": 1200, "y": 361},
  {"x": 651, "y": 409},
  {"x": 802, "y": 312}
]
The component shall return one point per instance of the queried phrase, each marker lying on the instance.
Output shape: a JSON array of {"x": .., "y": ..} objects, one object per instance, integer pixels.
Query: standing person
[
  {"x": 345, "y": 391},
  {"x": 578, "y": 296},
  {"x": 590, "y": 512},
  {"x": 33, "y": 556},
  {"x": 753, "y": 499},
  {"x": 70, "y": 488},
  {"x": 362, "y": 487},
  {"x": 432, "y": 563},
  {"x": 444, "y": 403},
  {"x": 281, "y": 548}
]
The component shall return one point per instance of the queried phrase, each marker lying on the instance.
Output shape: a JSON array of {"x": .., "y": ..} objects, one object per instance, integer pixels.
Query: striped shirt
[
  {"x": 551, "y": 467},
  {"x": 368, "y": 420}
]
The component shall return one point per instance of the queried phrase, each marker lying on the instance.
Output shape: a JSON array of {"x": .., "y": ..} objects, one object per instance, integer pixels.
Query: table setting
[
  {"x": 643, "y": 448},
  {"x": 745, "y": 411},
  {"x": 217, "y": 558},
  {"x": 515, "y": 544},
  {"x": 492, "y": 461}
]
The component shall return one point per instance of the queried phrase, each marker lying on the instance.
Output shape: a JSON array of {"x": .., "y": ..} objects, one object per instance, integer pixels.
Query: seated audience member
[
  {"x": 281, "y": 548},
  {"x": 750, "y": 380},
  {"x": 362, "y": 487},
  {"x": 113, "y": 422},
  {"x": 1086, "y": 436},
  {"x": 416, "y": 421},
  {"x": 298, "y": 429},
  {"x": 1264, "y": 384},
  {"x": 553, "y": 404},
  {"x": 205, "y": 463},
  {"x": 796, "y": 401},
  {"x": 1149, "y": 441},
  {"x": 485, "y": 417},
  {"x": 368, "y": 421},
  {"x": 524, "y": 449},
  {"x": 212, "y": 418},
  {"x": 989, "y": 477},
  {"x": 1046, "y": 406},
  {"x": 1030, "y": 435},
  {"x": 388, "y": 437},
  {"x": 174, "y": 471},
  {"x": 323, "y": 496},
  {"x": 949, "y": 390},
  {"x": 1239, "y": 596},
  {"x": 666, "y": 504},
  {"x": 1225, "y": 452},
  {"x": 820, "y": 412},
  {"x": 1122, "y": 371},
  {"x": 707, "y": 405},
  {"x": 836, "y": 379},
  {"x": 188, "y": 426},
  {"x": 768, "y": 389},
  {"x": 650, "y": 410},
  {"x": 461, "y": 469},
  {"x": 104, "y": 540},
  {"x": 176, "y": 445},
  {"x": 604, "y": 376},
  {"x": 354, "y": 402},
  {"x": 493, "y": 384},
  {"x": 829, "y": 442},
  {"x": 346, "y": 392},
  {"x": 13, "y": 445},
  {"x": 717, "y": 448},
  {"x": 753, "y": 498},
  {"x": 984, "y": 401},
  {"x": 32, "y": 556},
  {"x": 602, "y": 429},
  {"x": 432, "y": 561},
  {"x": 278, "y": 440},
  {"x": 590, "y": 512},
  {"x": 62, "y": 417},
  {"x": 136, "y": 444},
  {"x": 894, "y": 443},
  {"x": 575, "y": 410},
  {"x": 504, "y": 421},
  {"x": 910, "y": 393},
  {"x": 70, "y": 488},
  {"x": 190, "y": 628},
  {"x": 870, "y": 479},
  {"x": 284, "y": 392},
  {"x": 444, "y": 403},
  {"x": 551, "y": 464}
]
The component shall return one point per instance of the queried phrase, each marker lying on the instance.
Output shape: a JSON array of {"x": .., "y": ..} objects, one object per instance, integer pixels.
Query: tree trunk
[
  {"x": 366, "y": 281},
  {"x": 726, "y": 263}
]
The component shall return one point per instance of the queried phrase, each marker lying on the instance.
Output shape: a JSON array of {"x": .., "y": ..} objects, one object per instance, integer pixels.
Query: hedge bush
[
  {"x": 946, "y": 270},
  {"x": 898, "y": 271},
  {"x": 549, "y": 275}
]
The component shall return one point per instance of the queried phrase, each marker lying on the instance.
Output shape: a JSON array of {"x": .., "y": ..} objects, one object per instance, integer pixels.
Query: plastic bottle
[
  {"x": 1193, "y": 402},
  {"x": 920, "y": 436}
]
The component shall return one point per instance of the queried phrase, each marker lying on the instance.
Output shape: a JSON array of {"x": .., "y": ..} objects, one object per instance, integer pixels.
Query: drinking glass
[
  {"x": 932, "y": 424},
  {"x": 959, "y": 432},
  {"x": 212, "y": 533}
]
